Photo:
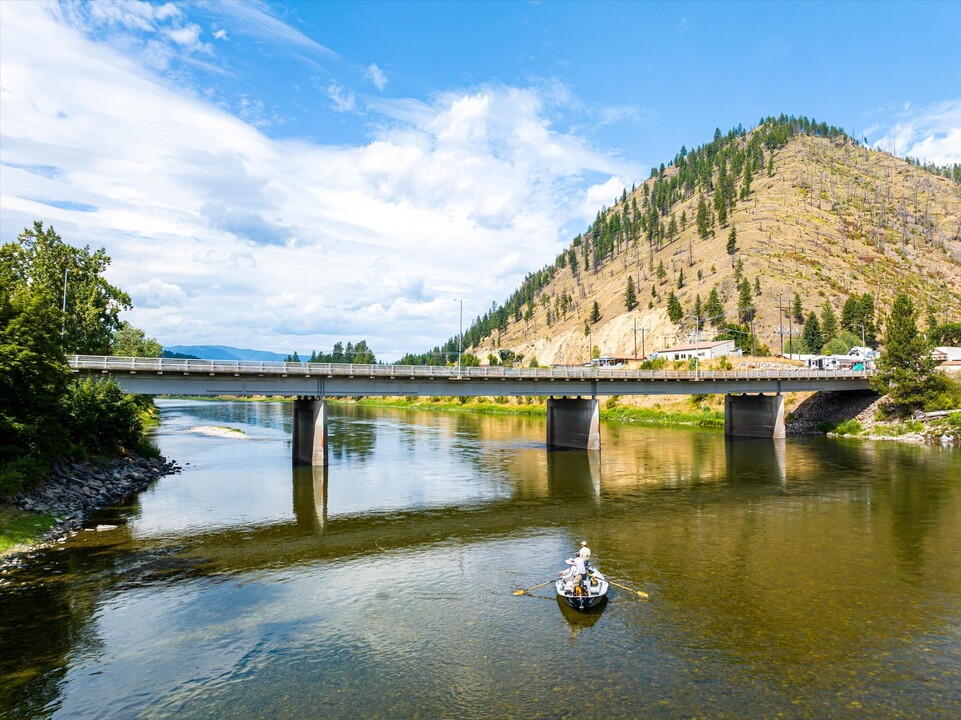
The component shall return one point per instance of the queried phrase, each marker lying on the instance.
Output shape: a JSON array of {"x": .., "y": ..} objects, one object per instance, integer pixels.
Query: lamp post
[
  {"x": 63, "y": 325},
  {"x": 460, "y": 336},
  {"x": 863, "y": 344}
]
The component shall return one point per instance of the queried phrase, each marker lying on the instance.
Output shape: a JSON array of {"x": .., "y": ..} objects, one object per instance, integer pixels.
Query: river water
[{"x": 797, "y": 579}]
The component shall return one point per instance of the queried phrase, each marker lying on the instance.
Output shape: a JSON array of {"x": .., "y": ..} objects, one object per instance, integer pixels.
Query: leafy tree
[
  {"x": 811, "y": 334},
  {"x": 630, "y": 296},
  {"x": 130, "y": 341},
  {"x": 842, "y": 343},
  {"x": 469, "y": 360},
  {"x": 714, "y": 308},
  {"x": 948, "y": 334},
  {"x": 40, "y": 258},
  {"x": 674, "y": 310},
  {"x": 906, "y": 369}
]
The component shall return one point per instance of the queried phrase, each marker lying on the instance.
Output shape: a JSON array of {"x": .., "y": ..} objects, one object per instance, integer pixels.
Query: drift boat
[{"x": 590, "y": 592}]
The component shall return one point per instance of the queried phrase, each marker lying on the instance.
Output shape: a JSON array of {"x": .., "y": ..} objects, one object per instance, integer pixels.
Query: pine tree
[
  {"x": 829, "y": 323},
  {"x": 797, "y": 310},
  {"x": 732, "y": 243},
  {"x": 680, "y": 279},
  {"x": 674, "y": 310},
  {"x": 811, "y": 334},
  {"x": 703, "y": 218},
  {"x": 745, "y": 303},
  {"x": 906, "y": 369},
  {"x": 746, "y": 184},
  {"x": 661, "y": 271},
  {"x": 714, "y": 308},
  {"x": 595, "y": 312},
  {"x": 630, "y": 296},
  {"x": 757, "y": 285}
]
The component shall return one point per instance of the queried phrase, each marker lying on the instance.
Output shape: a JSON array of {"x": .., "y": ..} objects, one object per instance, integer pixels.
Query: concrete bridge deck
[
  {"x": 753, "y": 399},
  {"x": 174, "y": 376}
]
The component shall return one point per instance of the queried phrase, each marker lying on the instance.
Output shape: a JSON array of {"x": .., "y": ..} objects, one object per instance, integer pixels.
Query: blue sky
[{"x": 284, "y": 175}]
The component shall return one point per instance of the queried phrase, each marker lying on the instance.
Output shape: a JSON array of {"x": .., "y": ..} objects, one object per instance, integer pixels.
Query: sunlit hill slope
[{"x": 814, "y": 214}]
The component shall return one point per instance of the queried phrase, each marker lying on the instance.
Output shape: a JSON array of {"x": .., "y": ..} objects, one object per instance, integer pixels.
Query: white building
[
  {"x": 863, "y": 352},
  {"x": 701, "y": 350},
  {"x": 947, "y": 354}
]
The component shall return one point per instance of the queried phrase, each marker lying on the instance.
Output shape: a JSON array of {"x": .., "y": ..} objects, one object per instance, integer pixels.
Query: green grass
[
  {"x": 20, "y": 528},
  {"x": 613, "y": 412}
]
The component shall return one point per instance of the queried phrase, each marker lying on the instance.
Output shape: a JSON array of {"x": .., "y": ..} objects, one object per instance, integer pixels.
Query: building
[
  {"x": 700, "y": 350},
  {"x": 947, "y": 354}
]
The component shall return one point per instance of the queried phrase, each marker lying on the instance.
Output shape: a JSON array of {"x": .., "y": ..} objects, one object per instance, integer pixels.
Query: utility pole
[
  {"x": 780, "y": 323},
  {"x": 460, "y": 337}
]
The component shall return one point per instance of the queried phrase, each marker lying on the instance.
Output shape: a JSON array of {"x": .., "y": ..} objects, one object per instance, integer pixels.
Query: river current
[{"x": 807, "y": 578}]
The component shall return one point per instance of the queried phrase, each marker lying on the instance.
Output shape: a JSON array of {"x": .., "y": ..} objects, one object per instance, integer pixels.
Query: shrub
[{"x": 849, "y": 427}]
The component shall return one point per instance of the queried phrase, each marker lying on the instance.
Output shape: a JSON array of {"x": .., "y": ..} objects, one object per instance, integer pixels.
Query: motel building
[{"x": 699, "y": 350}]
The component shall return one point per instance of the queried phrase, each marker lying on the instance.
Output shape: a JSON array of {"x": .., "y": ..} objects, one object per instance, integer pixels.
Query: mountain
[
  {"x": 224, "y": 352},
  {"x": 818, "y": 220}
]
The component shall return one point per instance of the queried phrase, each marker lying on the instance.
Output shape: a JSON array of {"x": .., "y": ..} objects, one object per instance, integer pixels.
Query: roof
[{"x": 696, "y": 346}]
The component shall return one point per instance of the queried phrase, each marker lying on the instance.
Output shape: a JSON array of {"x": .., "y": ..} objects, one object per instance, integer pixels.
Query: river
[{"x": 806, "y": 578}]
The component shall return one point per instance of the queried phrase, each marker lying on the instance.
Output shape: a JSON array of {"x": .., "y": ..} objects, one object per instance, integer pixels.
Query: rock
[{"x": 104, "y": 528}]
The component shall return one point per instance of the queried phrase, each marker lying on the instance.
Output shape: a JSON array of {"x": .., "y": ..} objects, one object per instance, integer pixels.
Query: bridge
[{"x": 753, "y": 405}]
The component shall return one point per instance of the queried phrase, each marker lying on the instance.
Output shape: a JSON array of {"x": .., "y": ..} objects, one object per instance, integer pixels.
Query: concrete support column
[
  {"x": 310, "y": 432},
  {"x": 754, "y": 416},
  {"x": 573, "y": 424}
]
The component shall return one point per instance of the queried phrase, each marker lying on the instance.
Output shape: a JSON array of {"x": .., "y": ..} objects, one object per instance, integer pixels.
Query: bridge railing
[{"x": 303, "y": 369}]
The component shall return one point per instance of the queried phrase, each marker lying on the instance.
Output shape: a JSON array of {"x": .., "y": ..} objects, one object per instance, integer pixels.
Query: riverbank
[
  {"x": 70, "y": 494},
  {"x": 614, "y": 409}
]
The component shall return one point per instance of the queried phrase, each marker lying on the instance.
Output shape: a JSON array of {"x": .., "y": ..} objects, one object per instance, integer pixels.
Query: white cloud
[
  {"x": 220, "y": 34},
  {"x": 931, "y": 133},
  {"x": 157, "y": 294},
  {"x": 286, "y": 244},
  {"x": 342, "y": 100},
  {"x": 376, "y": 76}
]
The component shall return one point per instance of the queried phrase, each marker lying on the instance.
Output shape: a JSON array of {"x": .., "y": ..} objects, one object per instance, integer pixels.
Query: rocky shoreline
[{"x": 73, "y": 491}]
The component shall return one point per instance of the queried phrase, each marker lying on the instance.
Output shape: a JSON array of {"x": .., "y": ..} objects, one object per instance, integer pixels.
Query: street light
[
  {"x": 63, "y": 325},
  {"x": 460, "y": 335}
]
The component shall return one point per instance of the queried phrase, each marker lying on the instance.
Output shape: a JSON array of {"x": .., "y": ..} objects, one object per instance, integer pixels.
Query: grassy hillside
[{"x": 815, "y": 215}]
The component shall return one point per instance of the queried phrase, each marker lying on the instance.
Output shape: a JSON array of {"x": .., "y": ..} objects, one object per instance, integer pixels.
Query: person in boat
[
  {"x": 580, "y": 571},
  {"x": 585, "y": 552}
]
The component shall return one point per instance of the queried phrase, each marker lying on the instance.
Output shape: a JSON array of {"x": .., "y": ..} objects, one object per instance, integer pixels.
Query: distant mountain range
[{"x": 224, "y": 352}]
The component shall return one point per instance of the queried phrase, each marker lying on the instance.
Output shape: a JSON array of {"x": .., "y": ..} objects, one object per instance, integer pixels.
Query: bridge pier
[
  {"x": 309, "y": 445},
  {"x": 573, "y": 423},
  {"x": 754, "y": 416}
]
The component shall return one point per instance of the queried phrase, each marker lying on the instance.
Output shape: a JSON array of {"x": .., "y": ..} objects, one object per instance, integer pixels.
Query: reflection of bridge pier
[
  {"x": 310, "y": 496},
  {"x": 573, "y": 472},
  {"x": 759, "y": 459}
]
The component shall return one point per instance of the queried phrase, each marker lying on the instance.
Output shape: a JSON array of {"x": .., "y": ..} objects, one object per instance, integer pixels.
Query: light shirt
[
  {"x": 584, "y": 553},
  {"x": 579, "y": 565}
]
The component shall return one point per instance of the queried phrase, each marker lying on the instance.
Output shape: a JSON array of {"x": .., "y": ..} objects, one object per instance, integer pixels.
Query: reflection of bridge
[{"x": 571, "y": 421}]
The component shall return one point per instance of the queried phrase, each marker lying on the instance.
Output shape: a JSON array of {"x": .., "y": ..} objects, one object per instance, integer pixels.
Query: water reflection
[
  {"x": 803, "y": 574},
  {"x": 310, "y": 496}
]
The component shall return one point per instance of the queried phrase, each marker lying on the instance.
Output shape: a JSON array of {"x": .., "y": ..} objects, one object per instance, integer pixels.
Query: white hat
[{"x": 583, "y": 542}]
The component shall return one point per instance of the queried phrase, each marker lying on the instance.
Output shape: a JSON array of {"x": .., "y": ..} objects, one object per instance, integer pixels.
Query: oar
[
  {"x": 524, "y": 592},
  {"x": 640, "y": 593}
]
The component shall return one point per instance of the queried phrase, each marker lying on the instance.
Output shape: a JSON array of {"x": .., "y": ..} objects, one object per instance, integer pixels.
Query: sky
[{"x": 287, "y": 175}]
